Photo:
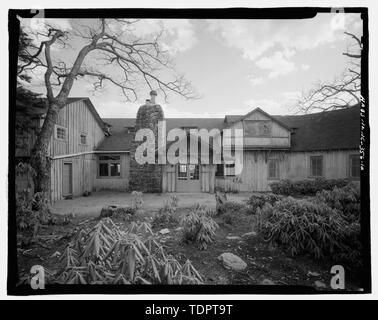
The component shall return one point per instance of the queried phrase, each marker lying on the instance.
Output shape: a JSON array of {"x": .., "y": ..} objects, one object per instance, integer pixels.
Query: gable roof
[
  {"x": 71, "y": 100},
  {"x": 118, "y": 139},
  {"x": 331, "y": 130},
  {"x": 233, "y": 119}
]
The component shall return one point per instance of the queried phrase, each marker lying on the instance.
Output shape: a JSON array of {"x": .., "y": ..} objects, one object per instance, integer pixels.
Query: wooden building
[{"x": 90, "y": 154}]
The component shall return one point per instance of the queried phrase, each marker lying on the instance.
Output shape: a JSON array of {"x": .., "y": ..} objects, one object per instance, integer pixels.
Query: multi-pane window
[
  {"x": 83, "y": 138},
  {"x": 60, "y": 133},
  {"x": 220, "y": 170},
  {"x": 316, "y": 166},
  {"x": 182, "y": 172},
  {"x": 109, "y": 166},
  {"x": 188, "y": 172},
  {"x": 193, "y": 171},
  {"x": 229, "y": 169},
  {"x": 354, "y": 166},
  {"x": 272, "y": 169}
]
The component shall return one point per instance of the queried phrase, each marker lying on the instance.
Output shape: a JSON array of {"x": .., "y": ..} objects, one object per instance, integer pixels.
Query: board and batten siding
[
  {"x": 77, "y": 119},
  {"x": 291, "y": 165},
  {"x": 206, "y": 177},
  {"x": 278, "y": 137},
  {"x": 120, "y": 183}
]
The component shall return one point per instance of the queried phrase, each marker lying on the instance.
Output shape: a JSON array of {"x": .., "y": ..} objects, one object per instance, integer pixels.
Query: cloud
[
  {"x": 178, "y": 36},
  {"x": 255, "y": 81},
  {"x": 305, "y": 67},
  {"x": 255, "y": 38},
  {"x": 277, "y": 64}
]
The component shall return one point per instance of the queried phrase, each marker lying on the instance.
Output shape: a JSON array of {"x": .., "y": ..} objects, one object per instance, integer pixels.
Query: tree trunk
[{"x": 40, "y": 159}]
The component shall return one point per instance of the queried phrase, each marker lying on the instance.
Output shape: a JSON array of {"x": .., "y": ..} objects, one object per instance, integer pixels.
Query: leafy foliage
[
  {"x": 258, "y": 200},
  {"x": 136, "y": 200},
  {"x": 346, "y": 200},
  {"x": 306, "y": 187},
  {"x": 232, "y": 207},
  {"x": 31, "y": 209},
  {"x": 313, "y": 227},
  {"x": 166, "y": 214},
  {"x": 106, "y": 254},
  {"x": 199, "y": 226}
]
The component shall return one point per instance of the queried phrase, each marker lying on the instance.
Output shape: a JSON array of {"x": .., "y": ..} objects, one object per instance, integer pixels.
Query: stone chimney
[
  {"x": 146, "y": 177},
  {"x": 153, "y": 95}
]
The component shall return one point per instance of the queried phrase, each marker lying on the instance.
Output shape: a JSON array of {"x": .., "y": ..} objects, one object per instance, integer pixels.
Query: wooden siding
[
  {"x": 207, "y": 178},
  {"x": 169, "y": 178},
  {"x": 120, "y": 183},
  {"x": 279, "y": 136},
  {"x": 77, "y": 119},
  {"x": 291, "y": 165},
  {"x": 81, "y": 178}
]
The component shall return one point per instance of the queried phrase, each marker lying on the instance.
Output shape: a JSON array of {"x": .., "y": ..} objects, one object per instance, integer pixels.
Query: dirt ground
[
  {"x": 91, "y": 206},
  {"x": 265, "y": 262}
]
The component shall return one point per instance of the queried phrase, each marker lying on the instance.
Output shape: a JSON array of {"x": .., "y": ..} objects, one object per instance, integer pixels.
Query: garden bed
[{"x": 266, "y": 263}]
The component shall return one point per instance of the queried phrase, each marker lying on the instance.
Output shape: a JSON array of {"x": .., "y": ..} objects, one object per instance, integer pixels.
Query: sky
[{"x": 234, "y": 65}]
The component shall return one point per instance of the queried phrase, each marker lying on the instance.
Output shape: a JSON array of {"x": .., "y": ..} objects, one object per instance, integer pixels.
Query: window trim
[
  {"x": 350, "y": 166},
  {"x": 109, "y": 162},
  {"x": 277, "y": 171},
  {"x": 216, "y": 170},
  {"x": 310, "y": 169},
  {"x": 57, "y": 126},
  {"x": 225, "y": 169},
  {"x": 86, "y": 136}
]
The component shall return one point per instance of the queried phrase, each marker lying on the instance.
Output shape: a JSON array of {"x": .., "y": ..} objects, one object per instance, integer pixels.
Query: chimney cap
[{"x": 153, "y": 93}]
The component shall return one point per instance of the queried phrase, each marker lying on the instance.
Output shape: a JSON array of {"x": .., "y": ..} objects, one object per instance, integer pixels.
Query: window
[
  {"x": 130, "y": 129},
  {"x": 193, "y": 171},
  {"x": 354, "y": 166},
  {"x": 109, "y": 166},
  {"x": 316, "y": 166},
  {"x": 60, "y": 133},
  {"x": 220, "y": 170},
  {"x": 257, "y": 128},
  {"x": 230, "y": 170},
  {"x": 182, "y": 172},
  {"x": 272, "y": 169},
  {"x": 83, "y": 138}
]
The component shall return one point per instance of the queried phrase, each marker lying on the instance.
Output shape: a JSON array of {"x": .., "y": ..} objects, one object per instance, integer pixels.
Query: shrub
[
  {"x": 232, "y": 207},
  {"x": 306, "y": 187},
  {"x": 258, "y": 200},
  {"x": 311, "y": 227},
  {"x": 346, "y": 200},
  {"x": 199, "y": 226},
  {"x": 107, "y": 254},
  {"x": 136, "y": 200},
  {"x": 32, "y": 210},
  {"x": 166, "y": 214}
]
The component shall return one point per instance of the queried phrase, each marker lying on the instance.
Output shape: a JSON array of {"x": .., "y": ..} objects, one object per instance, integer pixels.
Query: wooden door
[
  {"x": 188, "y": 178},
  {"x": 67, "y": 179}
]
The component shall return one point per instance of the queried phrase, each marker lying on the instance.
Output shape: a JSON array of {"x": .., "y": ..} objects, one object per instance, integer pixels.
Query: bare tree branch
[{"x": 343, "y": 92}]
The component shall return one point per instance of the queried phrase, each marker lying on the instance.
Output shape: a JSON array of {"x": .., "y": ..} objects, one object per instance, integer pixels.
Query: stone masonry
[{"x": 147, "y": 177}]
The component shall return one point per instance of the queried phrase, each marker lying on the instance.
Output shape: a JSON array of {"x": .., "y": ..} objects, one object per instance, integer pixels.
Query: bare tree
[
  {"x": 112, "y": 53},
  {"x": 343, "y": 91}
]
